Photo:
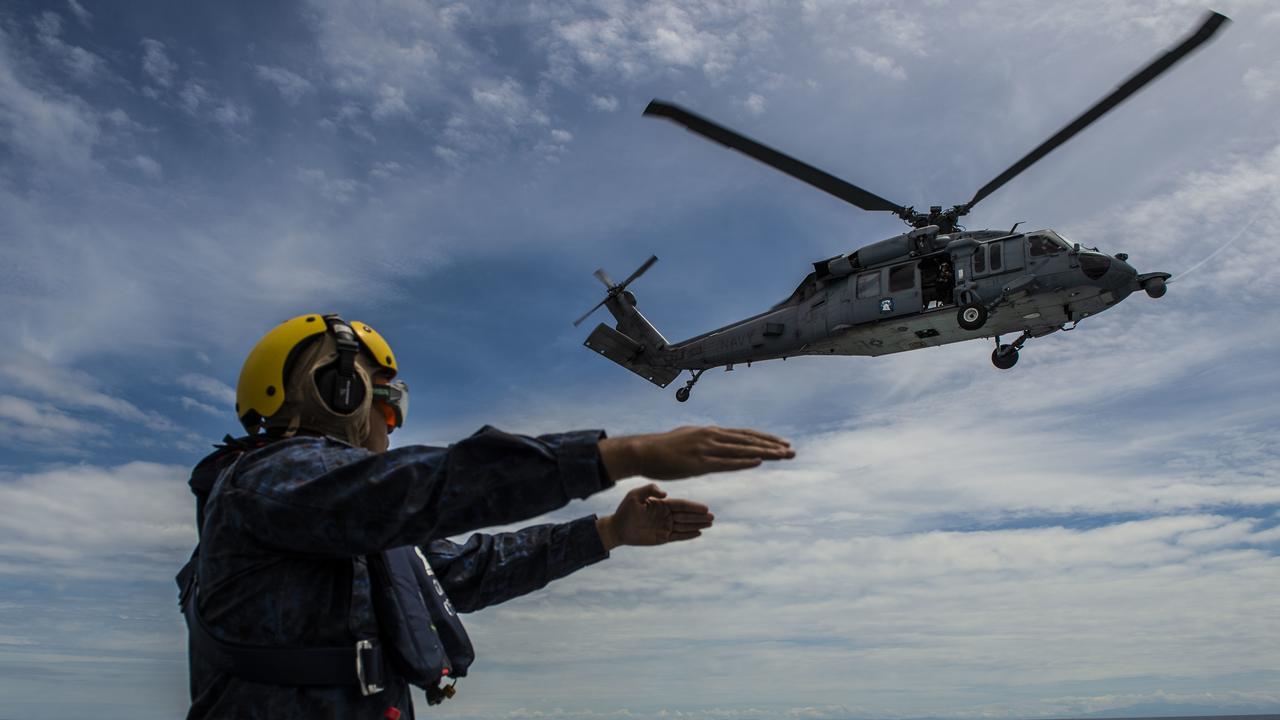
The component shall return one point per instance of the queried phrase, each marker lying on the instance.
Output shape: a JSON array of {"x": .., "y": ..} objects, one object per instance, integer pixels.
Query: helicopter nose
[
  {"x": 1120, "y": 277},
  {"x": 1121, "y": 271},
  {"x": 1105, "y": 270}
]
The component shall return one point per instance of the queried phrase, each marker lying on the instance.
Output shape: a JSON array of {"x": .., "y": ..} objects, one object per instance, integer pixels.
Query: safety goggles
[{"x": 394, "y": 397}]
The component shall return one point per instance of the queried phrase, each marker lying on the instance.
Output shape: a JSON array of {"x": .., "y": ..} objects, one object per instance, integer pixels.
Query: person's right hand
[{"x": 690, "y": 451}]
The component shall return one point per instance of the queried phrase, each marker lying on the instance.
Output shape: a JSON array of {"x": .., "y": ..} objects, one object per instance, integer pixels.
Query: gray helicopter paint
[{"x": 1030, "y": 292}]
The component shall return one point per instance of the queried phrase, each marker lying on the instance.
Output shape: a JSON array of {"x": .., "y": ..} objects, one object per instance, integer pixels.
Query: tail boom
[{"x": 636, "y": 357}]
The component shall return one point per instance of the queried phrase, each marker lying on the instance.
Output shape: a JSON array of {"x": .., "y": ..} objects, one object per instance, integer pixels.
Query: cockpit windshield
[{"x": 1046, "y": 242}]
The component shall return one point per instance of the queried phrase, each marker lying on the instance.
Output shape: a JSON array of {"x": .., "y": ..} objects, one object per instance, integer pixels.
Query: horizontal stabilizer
[{"x": 630, "y": 355}]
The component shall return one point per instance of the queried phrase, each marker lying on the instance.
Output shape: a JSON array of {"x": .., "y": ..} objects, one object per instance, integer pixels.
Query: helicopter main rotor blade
[
  {"x": 639, "y": 271},
  {"x": 1135, "y": 83},
  {"x": 801, "y": 171},
  {"x": 578, "y": 322}
]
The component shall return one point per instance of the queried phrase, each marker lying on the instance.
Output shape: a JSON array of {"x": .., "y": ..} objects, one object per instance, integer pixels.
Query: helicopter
[{"x": 935, "y": 284}]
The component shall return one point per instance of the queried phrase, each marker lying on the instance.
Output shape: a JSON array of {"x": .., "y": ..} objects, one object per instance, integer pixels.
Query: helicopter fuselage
[{"x": 1033, "y": 283}]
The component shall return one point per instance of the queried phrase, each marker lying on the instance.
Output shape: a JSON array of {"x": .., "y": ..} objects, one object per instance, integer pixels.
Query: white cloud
[
  {"x": 384, "y": 170},
  {"x": 156, "y": 63},
  {"x": 390, "y": 103},
  {"x": 882, "y": 64},
  {"x": 864, "y": 615},
  {"x": 339, "y": 190},
  {"x": 604, "y": 103},
  {"x": 55, "y": 131},
  {"x": 556, "y": 144},
  {"x": 148, "y": 166},
  {"x": 506, "y": 102},
  {"x": 72, "y": 389},
  {"x": 210, "y": 388},
  {"x": 118, "y": 119},
  {"x": 903, "y": 29},
  {"x": 192, "y": 97},
  {"x": 42, "y": 420},
  {"x": 448, "y": 155},
  {"x": 193, "y": 404},
  {"x": 198, "y": 102},
  {"x": 82, "y": 15},
  {"x": 634, "y": 40},
  {"x": 1261, "y": 82},
  {"x": 389, "y": 62},
  {"x": 133, "y": 520},
  {"x": 348, "y": 116},
  {"x": 78, "y": 62},
  {"x": 754, "y": 104},
  {"x": 1224, "y": 197},
  {"x": 291, "y": 85},
  {"x": 231, "y": 114}
]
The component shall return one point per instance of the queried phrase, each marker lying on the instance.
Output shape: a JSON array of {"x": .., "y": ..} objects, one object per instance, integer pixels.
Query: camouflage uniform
[{"x": 283, "y": 539}]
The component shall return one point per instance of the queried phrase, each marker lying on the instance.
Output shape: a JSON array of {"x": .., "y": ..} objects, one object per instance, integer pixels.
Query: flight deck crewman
[{"x": 323, "y": 586}]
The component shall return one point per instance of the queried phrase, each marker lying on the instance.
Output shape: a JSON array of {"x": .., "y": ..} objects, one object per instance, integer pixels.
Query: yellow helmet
[{"x": 313, "y": 372}]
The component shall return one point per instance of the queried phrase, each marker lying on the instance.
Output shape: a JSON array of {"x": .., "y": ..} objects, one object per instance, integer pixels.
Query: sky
[{"x": 1094, "y": 532}]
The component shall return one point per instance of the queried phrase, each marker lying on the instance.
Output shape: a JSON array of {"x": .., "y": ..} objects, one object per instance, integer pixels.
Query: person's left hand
[{"x": 647, "y": 517}]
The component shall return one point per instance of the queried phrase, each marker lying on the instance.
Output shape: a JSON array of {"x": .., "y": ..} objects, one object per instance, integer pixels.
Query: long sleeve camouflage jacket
[{"x": 280, "y": 560}]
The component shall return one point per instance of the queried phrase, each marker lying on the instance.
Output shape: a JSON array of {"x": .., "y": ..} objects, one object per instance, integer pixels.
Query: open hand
[
  {"x": 690, "y": 451},
  {"x": 647, "y": 517}
]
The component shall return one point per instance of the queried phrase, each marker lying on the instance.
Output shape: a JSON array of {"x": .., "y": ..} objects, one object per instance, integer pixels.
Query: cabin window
[
  {"x": 869, "y": 284},
  {"x": 902, "y": 277},
  {"x": 980, "y": 260},
  {"x": 996, "y": 259}
]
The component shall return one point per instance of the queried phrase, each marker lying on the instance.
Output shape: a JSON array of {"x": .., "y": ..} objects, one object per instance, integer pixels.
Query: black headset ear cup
[{"x": 341, "y": 397}]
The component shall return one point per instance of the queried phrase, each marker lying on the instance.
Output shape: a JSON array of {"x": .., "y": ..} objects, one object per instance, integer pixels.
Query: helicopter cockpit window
[
  {"x": 902, "y": 277},
  {"x": 1045, "y": 244},
  {"x": 869, "y": 284}
]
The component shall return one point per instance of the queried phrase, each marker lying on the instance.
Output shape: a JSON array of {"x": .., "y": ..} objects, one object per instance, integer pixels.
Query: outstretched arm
[
  {"x": 315, "y": 496},
  {"x": 491, "y": 569}
]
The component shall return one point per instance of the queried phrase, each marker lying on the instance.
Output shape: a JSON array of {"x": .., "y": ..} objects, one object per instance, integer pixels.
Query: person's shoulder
[{"x": 292, "y": 461}]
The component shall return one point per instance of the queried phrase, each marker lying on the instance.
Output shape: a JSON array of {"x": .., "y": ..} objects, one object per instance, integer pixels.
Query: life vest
[
  {"x": 419, "y": 633},
  {"x": 426, "y": 638}
]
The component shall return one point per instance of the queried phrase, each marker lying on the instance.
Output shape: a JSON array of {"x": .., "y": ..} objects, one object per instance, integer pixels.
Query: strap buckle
[{"x": 366, "y": 688}]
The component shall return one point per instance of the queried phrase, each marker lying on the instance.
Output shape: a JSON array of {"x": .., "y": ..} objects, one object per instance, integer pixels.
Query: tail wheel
[
  {"x": 972, "y": 316},
  {"x": 682, "y": 394}
]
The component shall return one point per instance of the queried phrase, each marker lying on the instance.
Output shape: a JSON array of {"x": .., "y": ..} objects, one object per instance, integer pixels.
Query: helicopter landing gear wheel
[
  {"x": 682, "y": 395},
  {"x": 972, "y": 316},
  {"x": 1004, "y": 357}
]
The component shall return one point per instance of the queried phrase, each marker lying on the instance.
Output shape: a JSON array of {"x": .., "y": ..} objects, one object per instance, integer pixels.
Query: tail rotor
[{"x": 616, "y": 289}]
